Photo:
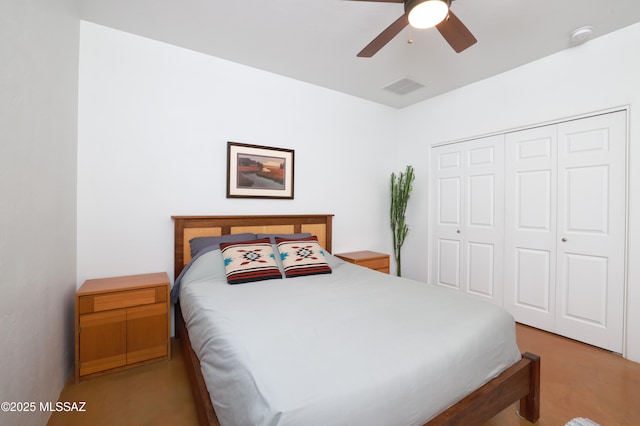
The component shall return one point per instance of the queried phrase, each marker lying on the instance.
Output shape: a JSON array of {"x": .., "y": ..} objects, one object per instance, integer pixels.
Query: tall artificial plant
[{"x": 401, "y": 187}]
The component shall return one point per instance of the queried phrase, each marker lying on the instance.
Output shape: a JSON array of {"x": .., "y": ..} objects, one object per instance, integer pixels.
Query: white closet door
[
  {"x": 447, "y": 165},
  {"x": 468, "y": 212},
  {"x": 530, "y": 223},
  {"x": 591, "y": 230},
  {"x": 483, "y": 233}
]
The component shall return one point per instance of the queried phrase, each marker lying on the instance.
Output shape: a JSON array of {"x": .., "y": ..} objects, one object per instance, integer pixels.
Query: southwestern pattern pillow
[
  {"x": 248, "y": 261},
  {"x": 303, "y": 256}
]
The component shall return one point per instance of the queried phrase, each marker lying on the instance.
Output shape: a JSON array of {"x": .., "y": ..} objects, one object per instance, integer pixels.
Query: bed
[{"x": 366, "y": 390}]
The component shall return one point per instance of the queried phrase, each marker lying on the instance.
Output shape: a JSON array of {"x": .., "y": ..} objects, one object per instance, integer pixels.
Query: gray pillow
[
  {"x": 272, "y": 237},
  {"x": 212, "y": 243}
]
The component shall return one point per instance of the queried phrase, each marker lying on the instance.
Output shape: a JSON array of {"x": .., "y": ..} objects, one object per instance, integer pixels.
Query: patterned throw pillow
[
  {"x": 249, "y": 261},
  {"x": 303, "y": 256}
]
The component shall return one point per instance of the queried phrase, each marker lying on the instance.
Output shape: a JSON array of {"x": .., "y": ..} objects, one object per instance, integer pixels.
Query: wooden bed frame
[{"x": 520, "y": 382}]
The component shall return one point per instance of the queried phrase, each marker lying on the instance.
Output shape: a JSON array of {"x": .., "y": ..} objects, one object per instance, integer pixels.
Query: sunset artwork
[
  {"x": 261, "y": 172},
  {"x": 255, "y": 171}
]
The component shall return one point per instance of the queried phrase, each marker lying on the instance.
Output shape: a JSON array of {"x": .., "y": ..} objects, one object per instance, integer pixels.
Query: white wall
[
  {"x": 601, "y": 74},
  {"x": 154, "y": 122},
  {"x": 38, "y": 122}
]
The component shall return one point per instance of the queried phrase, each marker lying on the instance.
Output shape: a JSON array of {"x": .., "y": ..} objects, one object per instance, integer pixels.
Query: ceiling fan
[{"x": 423, "y": 14}]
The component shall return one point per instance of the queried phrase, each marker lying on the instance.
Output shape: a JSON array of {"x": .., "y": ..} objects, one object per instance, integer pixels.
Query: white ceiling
[{"x": 316, "y": 41}]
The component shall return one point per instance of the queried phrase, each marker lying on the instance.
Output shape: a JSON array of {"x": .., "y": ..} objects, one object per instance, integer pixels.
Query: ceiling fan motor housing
[{"x": 410, "y": 4}]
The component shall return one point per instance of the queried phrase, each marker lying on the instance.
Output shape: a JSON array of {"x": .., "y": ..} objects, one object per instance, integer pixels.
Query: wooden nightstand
[
  {"x": 121, "y": 322},
  {"x": 368, "y": 259}
]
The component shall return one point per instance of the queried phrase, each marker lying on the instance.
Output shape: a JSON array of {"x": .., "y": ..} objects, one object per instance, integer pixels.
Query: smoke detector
[{"x": 581, "y": 35}]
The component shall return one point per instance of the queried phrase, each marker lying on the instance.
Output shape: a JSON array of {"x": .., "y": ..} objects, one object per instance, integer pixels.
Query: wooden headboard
[{"x": 188, "y": 227}]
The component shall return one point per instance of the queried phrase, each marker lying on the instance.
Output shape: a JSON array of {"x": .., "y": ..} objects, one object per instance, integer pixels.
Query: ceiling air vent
[{"x": 403, "y": 86}]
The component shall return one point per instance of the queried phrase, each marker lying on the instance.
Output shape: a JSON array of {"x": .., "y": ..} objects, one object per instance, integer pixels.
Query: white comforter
[{"x": 355, "y": 347}]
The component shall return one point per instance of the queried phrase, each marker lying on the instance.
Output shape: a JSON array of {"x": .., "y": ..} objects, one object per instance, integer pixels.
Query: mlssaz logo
[{"x": 63, "y": 406}]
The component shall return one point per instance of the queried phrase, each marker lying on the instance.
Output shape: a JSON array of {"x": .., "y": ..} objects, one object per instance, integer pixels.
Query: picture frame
[{"x": 255, "y": 171}]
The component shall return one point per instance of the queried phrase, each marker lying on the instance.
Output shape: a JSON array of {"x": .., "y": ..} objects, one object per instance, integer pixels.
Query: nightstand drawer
[
  {"x": 382, "y": 263},
  {"x": 122, "y": 299}
]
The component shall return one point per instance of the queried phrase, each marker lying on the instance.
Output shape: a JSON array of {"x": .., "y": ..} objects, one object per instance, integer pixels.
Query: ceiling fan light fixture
[{"x": 426, "y": 13}]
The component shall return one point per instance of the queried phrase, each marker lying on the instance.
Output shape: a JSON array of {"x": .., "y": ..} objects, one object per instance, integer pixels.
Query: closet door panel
[
  {"x": 448, "y": 270},
  {"x": 481, "y": 273},
  {"x": 533, "y": 280},
  {"x": 587, "y": 206},
  {"x": 591, "y": 229},
  {"x": 484, "y": 218},
  {"x": 447, "y": 209},
  {"x": 585, "y": 293},
  {"x": 449, "y": 196},
  {"x": 481, "y": 247},
  {"x": 481, "y": 224},
  {"x": 533, "y": 193},
  {"x": 530, "y": 226},
  {"x": 481, "y": 202}
]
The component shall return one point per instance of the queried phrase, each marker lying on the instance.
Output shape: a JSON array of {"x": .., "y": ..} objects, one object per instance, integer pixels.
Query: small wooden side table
[
  {"x": 368, "y": 259},
  {"x": 121, "y": 322}
]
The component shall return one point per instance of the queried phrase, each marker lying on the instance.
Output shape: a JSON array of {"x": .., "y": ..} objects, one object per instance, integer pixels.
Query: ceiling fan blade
[
  {"x": 384, "y": 37},
  {"x": 456, "y": 33}
]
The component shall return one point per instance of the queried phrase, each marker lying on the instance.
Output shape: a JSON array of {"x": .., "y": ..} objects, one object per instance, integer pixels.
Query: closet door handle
[
  {"x": 457, "y": 231},
  {"x": 564, "y": 240}
]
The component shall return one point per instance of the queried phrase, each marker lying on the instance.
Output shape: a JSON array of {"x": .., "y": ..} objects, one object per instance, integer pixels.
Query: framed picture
[{"x": 255, "y": 171}]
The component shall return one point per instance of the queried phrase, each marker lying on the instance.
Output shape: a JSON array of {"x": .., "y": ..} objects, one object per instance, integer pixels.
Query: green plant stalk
[{"x": 401, "y": 187}]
